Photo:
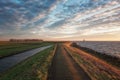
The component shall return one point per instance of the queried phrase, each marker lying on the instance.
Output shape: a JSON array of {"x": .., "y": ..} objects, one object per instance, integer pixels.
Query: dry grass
[
  {"x": 4, "y": 43},
  {"x": 96, "y": 68},
  {"x": 43, "y": 71}
]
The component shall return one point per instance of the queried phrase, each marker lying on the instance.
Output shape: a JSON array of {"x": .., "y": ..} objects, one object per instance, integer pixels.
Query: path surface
[
  {"x": 8, "y": 62},
  {"x": 97, "y": 69},
  {"x": 63, "y": 67}
]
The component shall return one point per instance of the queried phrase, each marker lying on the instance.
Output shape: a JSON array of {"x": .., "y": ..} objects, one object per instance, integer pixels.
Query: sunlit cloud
[{"x": 59, "y": 19}]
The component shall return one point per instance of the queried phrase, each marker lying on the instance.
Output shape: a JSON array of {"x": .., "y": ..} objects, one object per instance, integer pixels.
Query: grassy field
[
  {"x": 8, "y": 48},
  {"x": 96, "y": 69},
  {"x": 109, "y": 59},
  {"x": 33, "y": 68}
]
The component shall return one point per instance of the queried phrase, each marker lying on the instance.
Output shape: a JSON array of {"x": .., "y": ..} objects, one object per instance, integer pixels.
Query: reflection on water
[{"x": 10, "y": 61}]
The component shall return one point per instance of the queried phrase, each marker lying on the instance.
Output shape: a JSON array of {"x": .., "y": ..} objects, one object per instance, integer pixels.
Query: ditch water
[{"x": 8, "y": 62}]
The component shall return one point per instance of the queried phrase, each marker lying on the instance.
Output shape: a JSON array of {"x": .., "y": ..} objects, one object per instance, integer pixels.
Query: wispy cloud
[{"x": 59, "y": 19}]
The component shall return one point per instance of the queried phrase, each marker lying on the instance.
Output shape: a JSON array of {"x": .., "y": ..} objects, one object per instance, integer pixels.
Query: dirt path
[{"x": 64, "y": 67}]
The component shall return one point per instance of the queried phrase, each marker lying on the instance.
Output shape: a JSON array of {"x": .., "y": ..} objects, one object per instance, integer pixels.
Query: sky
[{"x": 60, "y": 19}]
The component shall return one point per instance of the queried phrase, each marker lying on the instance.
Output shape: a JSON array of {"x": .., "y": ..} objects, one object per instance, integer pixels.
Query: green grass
[
  {"x": 14, "y": 48},
  {"x": 33, "y": 68}
]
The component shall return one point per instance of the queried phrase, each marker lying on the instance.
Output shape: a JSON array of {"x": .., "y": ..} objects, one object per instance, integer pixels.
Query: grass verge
[
  {"x": 109, "y": 59},
  {"x": 15, "y": 48},
  {"x": 94, "y": 68},
  {"x": 33, "y": 68}
]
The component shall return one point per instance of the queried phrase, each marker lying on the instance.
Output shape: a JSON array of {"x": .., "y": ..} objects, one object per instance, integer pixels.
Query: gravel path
[{"x": 63, "y": 67}]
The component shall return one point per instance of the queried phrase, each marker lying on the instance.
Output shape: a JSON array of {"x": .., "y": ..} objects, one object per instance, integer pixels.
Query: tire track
[{"x": 63, "y": 67}]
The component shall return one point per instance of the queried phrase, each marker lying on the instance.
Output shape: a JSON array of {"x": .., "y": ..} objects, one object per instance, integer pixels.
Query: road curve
[
  {"x": 8, "y": 62},
  {"x": 64, "y": 67}
]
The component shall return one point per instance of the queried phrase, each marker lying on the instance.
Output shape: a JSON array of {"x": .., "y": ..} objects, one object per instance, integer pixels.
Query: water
[
  {"x": 107, "y": 47},
  {"x": 10, "y": 61}
]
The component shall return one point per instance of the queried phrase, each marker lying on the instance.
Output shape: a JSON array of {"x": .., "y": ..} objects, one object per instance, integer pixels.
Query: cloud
[
  {"x": 58, "y": 18},
  {"x": 102, "y": 29}
]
